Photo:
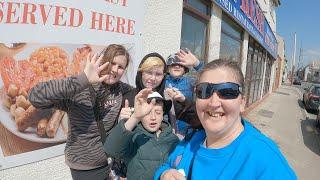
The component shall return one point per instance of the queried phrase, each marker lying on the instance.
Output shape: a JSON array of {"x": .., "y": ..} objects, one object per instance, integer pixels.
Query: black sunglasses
[{"x": 226, "y": 90}]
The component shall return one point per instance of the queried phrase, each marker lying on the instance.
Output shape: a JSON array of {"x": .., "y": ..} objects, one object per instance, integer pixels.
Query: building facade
[
  {"x": 312, "y": 72},
  {"x": 280, "y": 62},
  {"x": 240, "y": 30}
]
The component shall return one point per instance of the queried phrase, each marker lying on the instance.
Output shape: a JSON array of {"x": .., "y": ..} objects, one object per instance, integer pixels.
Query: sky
[{"x": 302, "y": 18}]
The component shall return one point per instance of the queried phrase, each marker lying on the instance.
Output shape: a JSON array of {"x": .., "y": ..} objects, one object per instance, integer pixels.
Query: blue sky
[{"x": 302, "y": 17}]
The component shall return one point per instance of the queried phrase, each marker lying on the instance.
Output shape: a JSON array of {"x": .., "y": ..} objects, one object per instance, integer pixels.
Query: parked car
[
  {"x": 311, "y": 97},
  {"x": 318, "y": 118},
  {"x": 297, "y": 81}
]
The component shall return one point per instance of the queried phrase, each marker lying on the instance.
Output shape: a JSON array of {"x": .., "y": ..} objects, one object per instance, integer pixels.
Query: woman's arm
[
  {"x": 168, "y": 169},
  {"x": 56, "y": 93}
]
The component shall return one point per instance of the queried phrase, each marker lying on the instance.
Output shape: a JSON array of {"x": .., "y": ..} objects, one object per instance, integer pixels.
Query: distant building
[
  {"x": 312, "y": 72},
  {"x": 280, "y": 63}
]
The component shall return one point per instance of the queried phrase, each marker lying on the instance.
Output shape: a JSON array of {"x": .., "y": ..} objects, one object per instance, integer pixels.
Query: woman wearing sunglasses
[{"x": 228, "y": 147}]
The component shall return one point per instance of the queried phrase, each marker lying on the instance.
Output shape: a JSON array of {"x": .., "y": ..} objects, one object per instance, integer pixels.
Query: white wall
[
  {"x": 162, "y": 27},
  {"x": 244, "y": 53},
  {"x": 214, "y": 33}
]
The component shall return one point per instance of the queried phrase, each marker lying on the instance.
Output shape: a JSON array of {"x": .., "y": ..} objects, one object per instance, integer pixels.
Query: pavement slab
[{"x": 282, "y": 117}]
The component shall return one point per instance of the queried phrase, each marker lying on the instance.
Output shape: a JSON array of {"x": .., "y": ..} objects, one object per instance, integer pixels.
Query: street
[{"x": 282, "y": 117}]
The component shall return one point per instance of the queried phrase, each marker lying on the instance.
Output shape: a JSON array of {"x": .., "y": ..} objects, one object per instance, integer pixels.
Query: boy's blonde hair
[{"x": 151, "y": 62}]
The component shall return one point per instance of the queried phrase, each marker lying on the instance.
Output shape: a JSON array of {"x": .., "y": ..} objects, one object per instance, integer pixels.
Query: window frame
[
  {"x": 205, "y": 18},
  {"x": 255, "y": 73},
  {"x": 226, "y": 19}
]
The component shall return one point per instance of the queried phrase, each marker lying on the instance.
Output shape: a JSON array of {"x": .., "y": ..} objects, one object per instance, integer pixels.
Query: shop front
[{"x": 235, "y": 30}]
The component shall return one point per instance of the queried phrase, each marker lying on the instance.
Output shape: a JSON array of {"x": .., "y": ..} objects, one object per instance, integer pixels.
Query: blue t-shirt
[{"x": 251, "y": 155}]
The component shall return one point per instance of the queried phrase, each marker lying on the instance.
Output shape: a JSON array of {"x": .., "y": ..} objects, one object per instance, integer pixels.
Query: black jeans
[{"x": 101, "y": 173}]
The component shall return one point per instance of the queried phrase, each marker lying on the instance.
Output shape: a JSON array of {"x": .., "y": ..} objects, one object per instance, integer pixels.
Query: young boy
[
  {"x": 180, "y": 86},
  {"x": 178, "y": 65},
  {"x": 144, "y": 141}
]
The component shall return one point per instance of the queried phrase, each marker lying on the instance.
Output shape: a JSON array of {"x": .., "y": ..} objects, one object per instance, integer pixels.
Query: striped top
[{"x": 83, "y": 147}]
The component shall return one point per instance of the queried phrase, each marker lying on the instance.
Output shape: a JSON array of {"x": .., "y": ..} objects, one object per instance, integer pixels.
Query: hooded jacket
[
  {"x": 184, "y": 111},
  {"x": 142, "y": 151},
  {"x": 139, "y": 85}
]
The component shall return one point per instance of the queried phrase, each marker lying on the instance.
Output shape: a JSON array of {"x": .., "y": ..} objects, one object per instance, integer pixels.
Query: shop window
[
  {"x": 268, "y": 74},
  {"x": 231, "y": 39},
  {"x": 255, "y": 72},
  {"x": 200, "y": 5},
  {"x": 194, "y": 30}
]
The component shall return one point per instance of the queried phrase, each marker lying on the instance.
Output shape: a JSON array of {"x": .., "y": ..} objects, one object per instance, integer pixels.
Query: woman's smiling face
[
  {"x": 219, "y": 117},
  {"x": 117, "y": 69}
]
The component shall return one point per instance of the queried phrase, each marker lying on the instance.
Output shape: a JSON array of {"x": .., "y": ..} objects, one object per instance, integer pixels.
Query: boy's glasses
[{"x": 226, "y": 90}]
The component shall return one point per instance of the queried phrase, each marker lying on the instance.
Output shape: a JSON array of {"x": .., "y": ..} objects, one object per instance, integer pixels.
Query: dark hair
[
  {"x": 225, "y": 63},
  {"x": 112, "y": 51}
]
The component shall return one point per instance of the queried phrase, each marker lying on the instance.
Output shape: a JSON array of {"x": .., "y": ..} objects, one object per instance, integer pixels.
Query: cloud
[
  {"x": 310, "y": 55},
  {"x": 312, "y": 52}
]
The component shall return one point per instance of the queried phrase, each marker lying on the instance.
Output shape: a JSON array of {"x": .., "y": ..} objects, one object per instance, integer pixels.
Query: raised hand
[
  {"x": 141, "y": 106},
  {"x": 175, "y": 94},
  {"x": 93, "y": 68},
  {"x": 187, "y": 58},
  {"x": 125, "y": 112}
]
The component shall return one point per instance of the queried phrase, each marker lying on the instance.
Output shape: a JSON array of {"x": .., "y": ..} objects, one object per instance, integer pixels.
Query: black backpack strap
[{"x": 96, "y": 110}]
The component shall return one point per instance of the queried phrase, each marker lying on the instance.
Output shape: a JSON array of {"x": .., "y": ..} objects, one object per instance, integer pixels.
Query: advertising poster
[{"x": 42, "y": 40}]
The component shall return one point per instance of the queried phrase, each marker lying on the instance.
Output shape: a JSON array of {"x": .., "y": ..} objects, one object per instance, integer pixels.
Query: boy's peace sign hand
[
  {"x": 141, "y": 106},
  {"x": 93, "y": 68}
]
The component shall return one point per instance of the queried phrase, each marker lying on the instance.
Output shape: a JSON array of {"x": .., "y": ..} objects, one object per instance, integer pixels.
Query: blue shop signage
[{"x": 250, "y": 16}]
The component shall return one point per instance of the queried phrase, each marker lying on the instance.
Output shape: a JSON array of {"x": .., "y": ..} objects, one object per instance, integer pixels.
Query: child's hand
[
  {"x": 175, "y": 94},
  {"x": 172, "y": 174},
  {"x": 126, "y": 112},
  {"x": 187, "y": 58},
  {"x": 141, "y": 106},
  {"x": 93, "y": 69}
]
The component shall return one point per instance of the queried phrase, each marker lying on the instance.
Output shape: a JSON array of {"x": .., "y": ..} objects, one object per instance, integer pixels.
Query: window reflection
[
  {"x": 229, "y": 48},
  {"x": 199, "y": 5},
  {"x": 231, "y": 39},
  {"x": 193, "y": 35},
  {"x": 257, "y": 58}
]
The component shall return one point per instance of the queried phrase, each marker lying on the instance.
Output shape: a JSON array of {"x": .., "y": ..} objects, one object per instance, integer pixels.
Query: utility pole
[
  {"x": 299, "y": 61},
  {"x": 293, "y": 57}
]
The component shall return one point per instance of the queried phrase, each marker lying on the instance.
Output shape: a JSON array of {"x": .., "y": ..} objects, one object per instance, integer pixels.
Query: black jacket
[
  {"x": 139, "y": 85},
  {"x": 184, "y": 111}
]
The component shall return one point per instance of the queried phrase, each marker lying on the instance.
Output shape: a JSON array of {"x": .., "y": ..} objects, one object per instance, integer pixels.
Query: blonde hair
[{"x": 151, "y": 62}]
